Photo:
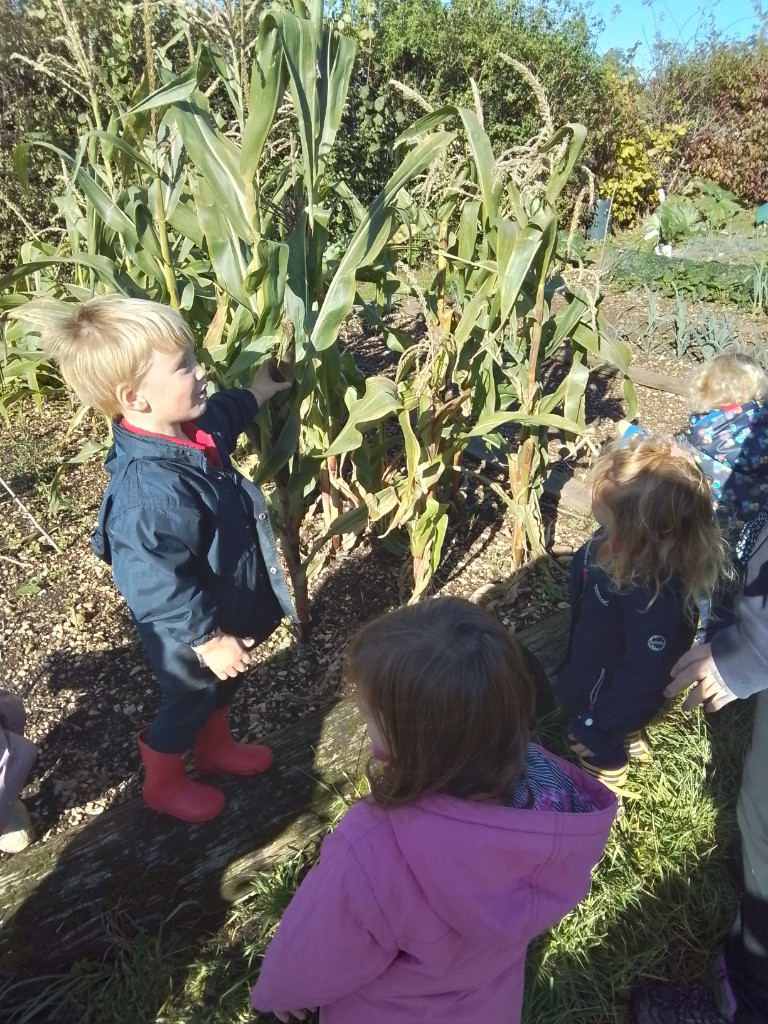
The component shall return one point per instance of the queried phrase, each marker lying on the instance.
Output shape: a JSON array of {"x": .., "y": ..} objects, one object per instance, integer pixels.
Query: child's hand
[
  {"x": 289, "y": 1015},
  {"x": 226, "y": 656},
  {"x": 263, "y": 387}
]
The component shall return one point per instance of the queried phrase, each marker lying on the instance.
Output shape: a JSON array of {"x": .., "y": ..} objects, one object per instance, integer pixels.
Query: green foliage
[
  {"x": 713, "y": 281},
  {"x": 423, "y": 53},
  {"x": 490, "y": 329},
  {"x": 166, "y": 206},
  {"x": 760, "y": 289},
  {"x": 167, "y": 203},
  {"x": 703, "y": 206},
  {"x": 676, "y": 218},
  {"x": 722, "y": 87},
  {"x": 718, "y": 207},
  {"x": 63, "y": 67}
]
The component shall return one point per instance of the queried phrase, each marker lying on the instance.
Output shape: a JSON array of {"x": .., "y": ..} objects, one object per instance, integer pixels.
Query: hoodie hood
[{"x": 479, "y": 865}]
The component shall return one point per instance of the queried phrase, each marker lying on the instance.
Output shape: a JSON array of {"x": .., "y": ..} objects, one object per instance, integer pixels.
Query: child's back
[
  {"x": 423, "y": 903},
  {"x": 424, "y": 912},
  {"x": 728, "y": 429},
  {"x": 635, "y": 589},
  {"x": 732, "y": 447}
]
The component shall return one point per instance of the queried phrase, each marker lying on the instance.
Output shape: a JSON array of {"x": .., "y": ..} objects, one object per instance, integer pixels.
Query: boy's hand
[
  {"x": 263, "y": 387},
  {"x": 290, "y": 1015},
  {"x": 226, "y": 656}
]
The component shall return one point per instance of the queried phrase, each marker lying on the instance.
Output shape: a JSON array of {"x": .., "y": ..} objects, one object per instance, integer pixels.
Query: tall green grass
[{"x": 662, "y": 897}]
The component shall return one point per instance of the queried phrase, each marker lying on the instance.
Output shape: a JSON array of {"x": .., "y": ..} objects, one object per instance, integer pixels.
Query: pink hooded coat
[{"x": 423, "y": 913}]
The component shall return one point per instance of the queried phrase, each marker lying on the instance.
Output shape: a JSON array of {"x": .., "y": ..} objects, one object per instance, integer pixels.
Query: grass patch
[
  {"x": 664, "y": 893},
  {"x": 661, "y": 900}
]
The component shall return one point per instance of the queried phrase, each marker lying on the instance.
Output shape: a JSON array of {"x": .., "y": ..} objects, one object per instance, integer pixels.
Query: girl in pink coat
[{"x": 472, "y": 842}]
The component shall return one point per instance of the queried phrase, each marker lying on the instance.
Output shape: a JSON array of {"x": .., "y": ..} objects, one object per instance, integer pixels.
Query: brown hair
[
  {"x": 451, "y": 694},
  {"x": 731, "y": 377},
  {"x": 105, "y": 342},
  {"x": 661, "y": 524}
]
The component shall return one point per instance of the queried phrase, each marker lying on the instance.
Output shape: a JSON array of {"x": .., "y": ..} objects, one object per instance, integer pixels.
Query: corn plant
[
  {"x": 492, "y": 327},
  {"x": 165, "y": 204}
]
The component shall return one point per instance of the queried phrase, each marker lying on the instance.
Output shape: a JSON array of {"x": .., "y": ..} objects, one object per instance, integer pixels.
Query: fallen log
[
  {"x": 642, "y": 376},
  {"x": 61, "y": 900}
]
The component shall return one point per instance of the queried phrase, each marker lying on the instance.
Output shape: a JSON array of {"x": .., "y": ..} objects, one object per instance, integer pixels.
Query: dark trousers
[
  {"x": 191, "y": 693},
  {"x": 746, "y": 949}
]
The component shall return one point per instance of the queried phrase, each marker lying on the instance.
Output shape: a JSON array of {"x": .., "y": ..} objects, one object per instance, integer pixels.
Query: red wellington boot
[
  {"x": 216, "y": 750},
  {"x": 168, "y": 789}
]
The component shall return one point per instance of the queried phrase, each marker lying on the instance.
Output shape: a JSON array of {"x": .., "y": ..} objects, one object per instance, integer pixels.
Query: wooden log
[
  {"x": 548, "y": 640},
  {"x": 642, "y": 376},
  {"x": 60, "y": 900}
]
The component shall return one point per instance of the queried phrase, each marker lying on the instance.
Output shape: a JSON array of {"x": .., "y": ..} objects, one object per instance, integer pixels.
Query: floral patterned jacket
[{"x": 731, "y": 445}]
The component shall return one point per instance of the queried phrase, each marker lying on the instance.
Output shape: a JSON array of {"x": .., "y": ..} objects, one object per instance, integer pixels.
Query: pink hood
[{"x": 424, "y": 913}]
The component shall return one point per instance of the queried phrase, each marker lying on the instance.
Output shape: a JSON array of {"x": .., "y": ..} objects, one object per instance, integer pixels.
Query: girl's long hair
[
  {"x": 451, "y": 694},
  {"x": 661, "y": 525}
]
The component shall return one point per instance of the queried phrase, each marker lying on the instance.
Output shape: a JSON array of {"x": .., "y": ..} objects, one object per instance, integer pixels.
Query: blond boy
[{"x": 187, "y": 536}]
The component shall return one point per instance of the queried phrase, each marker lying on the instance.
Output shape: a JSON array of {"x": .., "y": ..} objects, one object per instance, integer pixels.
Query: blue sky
[{"x": 637, "y": 21}]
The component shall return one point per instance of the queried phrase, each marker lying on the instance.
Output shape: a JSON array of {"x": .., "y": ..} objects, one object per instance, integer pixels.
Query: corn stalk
[{"x": 239, "y": 241}]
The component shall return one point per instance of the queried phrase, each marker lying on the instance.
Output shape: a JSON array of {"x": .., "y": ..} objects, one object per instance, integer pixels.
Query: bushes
[
  {"x": 718, "y": 90},
  {"x": 723, "y": 89},
  {"x": 435, "y": 49},
  {"x": 642, "y": 166}
]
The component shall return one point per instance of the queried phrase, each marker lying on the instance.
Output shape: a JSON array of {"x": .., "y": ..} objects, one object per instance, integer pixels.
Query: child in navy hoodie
[
  {"x": 635, "y": 591},
  {"x": 472, "y": 842}
]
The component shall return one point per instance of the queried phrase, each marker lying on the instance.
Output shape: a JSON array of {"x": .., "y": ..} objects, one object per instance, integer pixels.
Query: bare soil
[{"x": 67, "y": 645}]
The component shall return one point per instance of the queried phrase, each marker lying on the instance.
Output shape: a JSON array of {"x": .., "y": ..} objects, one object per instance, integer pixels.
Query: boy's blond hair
[
  {"x": 730, "y": 378},
  {"x": 106, "y": 342},
  {"x": 661, "y": 525}
]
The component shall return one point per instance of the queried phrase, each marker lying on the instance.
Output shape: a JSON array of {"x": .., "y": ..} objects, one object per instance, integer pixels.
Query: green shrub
[{"x": 723, "y": 88}]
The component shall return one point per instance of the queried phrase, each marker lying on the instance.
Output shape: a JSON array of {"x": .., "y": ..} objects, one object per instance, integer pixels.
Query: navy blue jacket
[
  {"x": 190, "y": 545},
  {"x": 622, "y": 647}
]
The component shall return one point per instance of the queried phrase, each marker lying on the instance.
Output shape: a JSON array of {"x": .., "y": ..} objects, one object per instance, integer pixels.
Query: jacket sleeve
[
  {"x": 333, "y": 938},
  {"x": 654, "y": 638},
  {"x": 741, "y": 650},
  {"x": 229, "y": 413},
  {"x": 154, "y": 567}
]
